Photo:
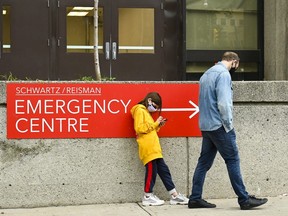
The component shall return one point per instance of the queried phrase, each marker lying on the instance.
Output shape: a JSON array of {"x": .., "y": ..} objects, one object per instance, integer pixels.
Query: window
[
  {"x": 136, "y": 30},
  {"x": 213, "y": 27},
  {"x": 6, "y": 29},
  {"x": 80, "y": 29}
]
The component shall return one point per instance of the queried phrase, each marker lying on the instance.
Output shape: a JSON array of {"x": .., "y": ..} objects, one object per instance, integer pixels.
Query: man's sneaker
[
  {"x": 200, "y": 203},
  {"x": 179, "y": 199},
  {"x": 152, "y": 200},
  {"x": 253, "y": 202}
]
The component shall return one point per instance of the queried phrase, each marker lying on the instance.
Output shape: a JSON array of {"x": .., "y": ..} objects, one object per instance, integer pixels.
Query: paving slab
[
  {"x": 276, "y": 206},
  {"x": 127, "y": 209}
]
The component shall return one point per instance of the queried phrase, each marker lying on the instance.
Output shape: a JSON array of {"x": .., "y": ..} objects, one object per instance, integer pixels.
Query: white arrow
[{"x": 195, "y": 109}]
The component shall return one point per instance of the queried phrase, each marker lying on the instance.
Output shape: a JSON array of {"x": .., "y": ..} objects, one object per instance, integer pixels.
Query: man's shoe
[
  {"x": 253, "y": 202},
  {"x": 200, "y": 203}
]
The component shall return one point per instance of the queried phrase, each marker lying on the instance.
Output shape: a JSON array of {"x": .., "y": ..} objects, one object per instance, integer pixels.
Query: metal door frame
[
  {"x": 29, "y": 56},
  {"x": 110, "y": 36},
  {"x": 142, "y": 63}
]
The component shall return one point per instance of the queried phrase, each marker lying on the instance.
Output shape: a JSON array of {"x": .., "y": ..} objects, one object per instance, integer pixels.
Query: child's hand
[
  {"x": 162, "y": 122},
  {"x": 159, "y": 119}
]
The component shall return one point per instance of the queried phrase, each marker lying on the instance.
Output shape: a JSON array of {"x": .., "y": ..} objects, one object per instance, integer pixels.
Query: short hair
[{"x": 230, "y": 56}]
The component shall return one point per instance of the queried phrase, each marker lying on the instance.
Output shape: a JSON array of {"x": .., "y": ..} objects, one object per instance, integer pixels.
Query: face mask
[
  {"x": 232, "y": 70},
  {"x": 151, "y": 108}
]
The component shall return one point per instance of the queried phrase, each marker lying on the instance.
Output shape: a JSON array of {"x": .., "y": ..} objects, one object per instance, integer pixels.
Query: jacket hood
[{"x": 136, "y": 107}]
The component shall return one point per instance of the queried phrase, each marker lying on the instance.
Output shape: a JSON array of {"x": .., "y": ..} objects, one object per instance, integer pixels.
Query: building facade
[{"x": 142, "y": 39}]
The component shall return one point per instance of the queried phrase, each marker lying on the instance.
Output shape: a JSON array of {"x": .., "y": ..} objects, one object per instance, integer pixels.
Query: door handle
[
  {"x": 107, "y": 50},
  {"x": 0, "y": 49},
  {"x": 114, "y": 50}
]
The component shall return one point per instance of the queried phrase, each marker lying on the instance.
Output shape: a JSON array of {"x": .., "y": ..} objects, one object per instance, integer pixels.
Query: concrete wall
[{"x": 48, "y": 172}]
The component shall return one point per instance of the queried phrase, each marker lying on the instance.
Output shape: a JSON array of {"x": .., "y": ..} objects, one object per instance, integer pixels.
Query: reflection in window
[
  {"x": 6, "y": 29},
  {"x": 221, "y": 24},
  {"x": 80, "y": 29},
  {"x": 136, "y": 30}
]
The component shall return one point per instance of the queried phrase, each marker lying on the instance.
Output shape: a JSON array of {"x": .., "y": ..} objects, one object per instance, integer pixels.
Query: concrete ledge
[
  {"x": 260, "y": 91},
  {"x": 244, "y": 91}
]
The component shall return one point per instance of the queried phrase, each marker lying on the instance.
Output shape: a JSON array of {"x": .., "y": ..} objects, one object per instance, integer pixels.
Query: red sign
[{"x": 91, "y": 110}]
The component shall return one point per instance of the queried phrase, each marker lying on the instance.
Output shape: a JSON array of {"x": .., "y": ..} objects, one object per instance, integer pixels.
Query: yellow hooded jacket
[{"x": 146, "y": 130}]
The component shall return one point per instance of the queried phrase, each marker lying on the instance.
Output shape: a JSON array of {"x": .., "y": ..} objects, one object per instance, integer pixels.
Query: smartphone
[{"x": 163, "y": 121}]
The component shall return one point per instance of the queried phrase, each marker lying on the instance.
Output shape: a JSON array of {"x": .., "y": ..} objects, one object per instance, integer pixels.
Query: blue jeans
[{"x": 225, "y": 143}]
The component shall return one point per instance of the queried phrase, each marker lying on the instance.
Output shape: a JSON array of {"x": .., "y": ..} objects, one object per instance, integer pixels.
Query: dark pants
[
  {"x": 225, "y": 143},
  {"x": 154, "y": 167}
]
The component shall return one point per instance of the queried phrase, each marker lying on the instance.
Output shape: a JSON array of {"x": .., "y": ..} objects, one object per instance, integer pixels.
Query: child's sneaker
[
  {"x": 179, "y": 199},
  {"x": 152, "y": 200}
]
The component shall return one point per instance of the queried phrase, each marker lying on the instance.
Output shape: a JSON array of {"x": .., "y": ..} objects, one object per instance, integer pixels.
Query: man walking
[{"x": 216, "y": 124}]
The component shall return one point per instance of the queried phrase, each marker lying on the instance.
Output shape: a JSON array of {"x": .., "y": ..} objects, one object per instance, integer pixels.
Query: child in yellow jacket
[{"x": 150, "y": 152}]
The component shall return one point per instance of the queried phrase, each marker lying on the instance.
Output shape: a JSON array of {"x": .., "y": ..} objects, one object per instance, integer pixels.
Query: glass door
[
  {"x": 76, "y": 39},
  {"x": 129, "y": 46},
  {"x": 136, "y": 40}
]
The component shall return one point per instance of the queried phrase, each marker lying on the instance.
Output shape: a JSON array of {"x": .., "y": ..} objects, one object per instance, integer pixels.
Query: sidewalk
[{"x": 225, "y": 207}]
